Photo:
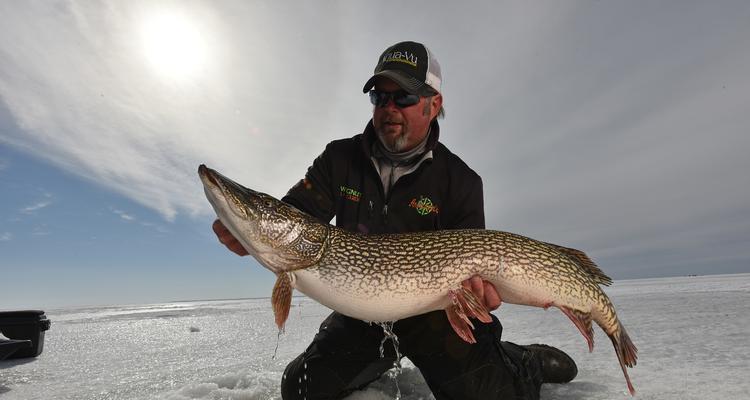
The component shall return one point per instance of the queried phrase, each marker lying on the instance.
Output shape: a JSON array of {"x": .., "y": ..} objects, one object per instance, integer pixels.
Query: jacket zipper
[{"x": 384, "y": 210}]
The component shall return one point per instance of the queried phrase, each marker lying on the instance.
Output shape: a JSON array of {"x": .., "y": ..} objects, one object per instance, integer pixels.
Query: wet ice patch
[
  {"x": 410, "y": 384},
  {"x": 230, "y": 387}
]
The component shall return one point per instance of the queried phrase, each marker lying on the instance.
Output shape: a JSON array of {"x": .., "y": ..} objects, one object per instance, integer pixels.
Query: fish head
[{"x": 278, "y": 235}]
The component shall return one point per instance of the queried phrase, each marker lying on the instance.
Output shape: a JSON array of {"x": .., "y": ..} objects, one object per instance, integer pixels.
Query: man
[{"x": 397, "y": 177}]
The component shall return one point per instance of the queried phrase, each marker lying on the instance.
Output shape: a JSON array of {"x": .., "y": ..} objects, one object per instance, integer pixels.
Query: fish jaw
[
  {"x": 225, "y": 195},
  {"x": 231, "y": 213},
  {"x": 277, "y": 235}
]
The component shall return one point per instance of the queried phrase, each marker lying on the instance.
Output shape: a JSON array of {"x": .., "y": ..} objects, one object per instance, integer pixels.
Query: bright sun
[{"x": 174, "y": 46}]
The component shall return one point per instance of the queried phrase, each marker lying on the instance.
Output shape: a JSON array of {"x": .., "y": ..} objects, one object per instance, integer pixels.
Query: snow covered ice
[{"x": 691, "y": 332}]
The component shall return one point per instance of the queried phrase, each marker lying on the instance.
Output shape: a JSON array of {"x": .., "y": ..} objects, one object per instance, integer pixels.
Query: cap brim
[{"x": 406, "y": 82}]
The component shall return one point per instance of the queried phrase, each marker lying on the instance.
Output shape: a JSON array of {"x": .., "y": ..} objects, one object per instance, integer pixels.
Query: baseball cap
[{"x": 412, "y": 66}]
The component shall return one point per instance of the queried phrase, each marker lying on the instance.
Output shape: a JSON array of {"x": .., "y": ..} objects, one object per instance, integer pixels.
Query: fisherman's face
[{"x": 402, "y": 129}]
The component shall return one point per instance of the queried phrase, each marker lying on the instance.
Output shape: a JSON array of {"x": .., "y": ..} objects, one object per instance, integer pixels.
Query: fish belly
[
  {"x": 515, "y": 292},
  {"x": 371, "y": 305}
]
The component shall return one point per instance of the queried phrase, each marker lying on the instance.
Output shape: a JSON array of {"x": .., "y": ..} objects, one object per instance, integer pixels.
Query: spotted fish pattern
[{"x": 382, "y": 278}]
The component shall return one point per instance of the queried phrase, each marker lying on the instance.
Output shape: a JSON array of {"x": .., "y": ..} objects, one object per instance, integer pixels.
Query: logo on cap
[{"x": 400, "y": 56}]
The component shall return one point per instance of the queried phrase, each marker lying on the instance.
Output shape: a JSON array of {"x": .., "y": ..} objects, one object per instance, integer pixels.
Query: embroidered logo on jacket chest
[
  {"x": 424, "y": 206},
  {"x": 351, "y": 194}
]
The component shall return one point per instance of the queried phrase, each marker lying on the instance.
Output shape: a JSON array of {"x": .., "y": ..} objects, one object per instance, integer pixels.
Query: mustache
[{"x": 391, "y": 121}]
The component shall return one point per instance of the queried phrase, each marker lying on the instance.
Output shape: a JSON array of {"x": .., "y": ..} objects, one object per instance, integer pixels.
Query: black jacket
[{"x": 442, "y": 193}]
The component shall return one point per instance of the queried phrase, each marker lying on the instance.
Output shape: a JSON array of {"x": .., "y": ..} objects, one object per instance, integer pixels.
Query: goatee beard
[{"x": 394, "y": 146}]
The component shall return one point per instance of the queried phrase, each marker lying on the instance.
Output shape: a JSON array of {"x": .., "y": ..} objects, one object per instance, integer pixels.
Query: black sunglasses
[{"x": 400, "y": 98}]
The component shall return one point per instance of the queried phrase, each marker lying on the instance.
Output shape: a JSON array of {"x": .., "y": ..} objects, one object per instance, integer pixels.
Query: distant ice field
[{"x": 691, "y": 332}]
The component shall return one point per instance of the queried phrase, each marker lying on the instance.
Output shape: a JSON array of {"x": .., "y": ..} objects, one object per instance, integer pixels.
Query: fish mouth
[
  {"x": 225, "y": 195},
  {"x": 221, "y": 192},
  {"x": 210, "y": 176},
  {"x": 227, "y": 187}
]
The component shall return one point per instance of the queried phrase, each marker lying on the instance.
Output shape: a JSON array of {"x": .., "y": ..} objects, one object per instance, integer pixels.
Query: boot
[{"x": 557, "y": 367}]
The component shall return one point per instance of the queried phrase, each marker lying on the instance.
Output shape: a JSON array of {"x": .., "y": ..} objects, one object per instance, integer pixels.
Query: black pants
[{"x": 345, "y": 356}]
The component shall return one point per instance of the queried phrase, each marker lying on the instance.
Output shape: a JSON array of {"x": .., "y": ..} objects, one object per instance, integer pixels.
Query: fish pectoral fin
[
  {"x": 471, "y": 305},
  {"x": 460, "y": 323},
  {"x": 281, "y": 299},
  {"x": 464, "y": 304},
  {"x": 582, "y": 321}
]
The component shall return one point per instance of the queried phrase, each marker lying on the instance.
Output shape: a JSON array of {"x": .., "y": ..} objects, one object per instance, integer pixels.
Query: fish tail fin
[
  {"x": 281, "y": 299},
  {"x": 626, "y": 352},
  {"x": 582, "y": 321}
]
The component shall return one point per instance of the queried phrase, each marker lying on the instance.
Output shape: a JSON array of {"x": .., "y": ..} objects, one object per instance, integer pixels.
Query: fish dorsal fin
[
  {"x": 281, "y": 298},
  {"x": 584, "y": 261}
]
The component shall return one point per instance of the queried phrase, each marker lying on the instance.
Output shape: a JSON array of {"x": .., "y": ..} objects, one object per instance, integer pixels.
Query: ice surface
[{"x": 691, "y": 332}]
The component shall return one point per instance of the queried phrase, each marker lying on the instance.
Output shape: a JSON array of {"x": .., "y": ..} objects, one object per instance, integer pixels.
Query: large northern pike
[{"x": 383, "y": 278}]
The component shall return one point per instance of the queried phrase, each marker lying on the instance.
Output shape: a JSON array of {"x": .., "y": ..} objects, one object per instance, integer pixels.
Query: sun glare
[{"x": 174, "y": 46}]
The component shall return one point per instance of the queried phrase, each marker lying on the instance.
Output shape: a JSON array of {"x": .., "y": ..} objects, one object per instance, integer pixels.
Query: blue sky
[
  {"x": 618, "y": 128},
  {"x": 65, "y": 240}
]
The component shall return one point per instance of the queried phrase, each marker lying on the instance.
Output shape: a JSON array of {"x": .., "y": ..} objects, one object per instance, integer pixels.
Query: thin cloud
[
  {"x": 41, "y": 231},
  {"x": 6, "y": 236},
  {"x": 158, "y": 227},
  {"x": 33, "y": 208},
  {"x": 123, "y": 215},
  {"x": 127, "y": 217},
  {"x": 48, "y": 200}
]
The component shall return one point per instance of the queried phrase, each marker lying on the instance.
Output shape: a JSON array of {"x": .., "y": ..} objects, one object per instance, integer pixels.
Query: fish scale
[
  {"x": 382, "y": 278},
  {"x": 434, "y": 264}
]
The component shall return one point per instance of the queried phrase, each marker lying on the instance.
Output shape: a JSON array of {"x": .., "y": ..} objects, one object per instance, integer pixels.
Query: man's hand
[
  {"x": 228, "y": 239},
  {"x": 485, "y": 292}
]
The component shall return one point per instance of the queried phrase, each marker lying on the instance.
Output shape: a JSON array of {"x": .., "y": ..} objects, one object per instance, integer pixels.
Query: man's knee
[
  {"x": 314, "y": 376},
  {"x": 310, "y": 379},
  {"x": 483, "y": 370},
  {"x": 484, "y": 382}
]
